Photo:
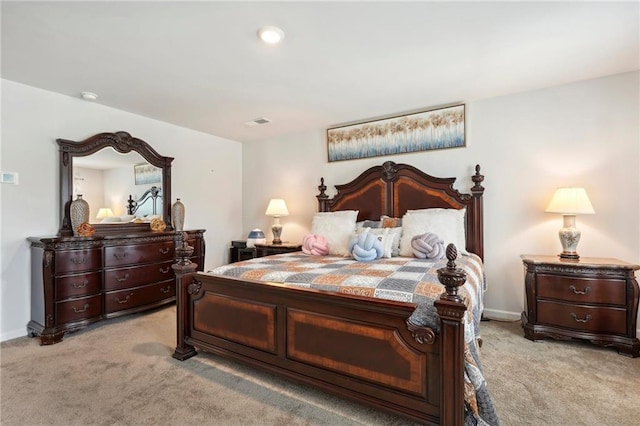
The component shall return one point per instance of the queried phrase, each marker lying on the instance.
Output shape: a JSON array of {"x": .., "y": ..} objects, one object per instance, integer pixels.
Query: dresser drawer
[
  {"x": 139, "y": 253},
  {"x": 77, "y": 285},
  {"x": 127, "y": 299},
  {"x": 135, "y": 276},
  {"x": 78, "y": 309},
  {"x": 77, "y": 261},
  {"x": 583, "y": 290},
  {"x": 585, "y": 318}
]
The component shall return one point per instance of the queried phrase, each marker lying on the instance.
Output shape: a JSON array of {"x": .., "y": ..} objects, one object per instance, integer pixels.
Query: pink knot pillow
[
  {"x": 428, "y": 246},
  {"x": 316, "y": 245}
]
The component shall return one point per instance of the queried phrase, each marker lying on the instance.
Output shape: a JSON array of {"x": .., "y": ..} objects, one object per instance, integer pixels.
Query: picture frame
[
  {"x": 439, "y": 128},
  {"x": 145, "y": 174}
]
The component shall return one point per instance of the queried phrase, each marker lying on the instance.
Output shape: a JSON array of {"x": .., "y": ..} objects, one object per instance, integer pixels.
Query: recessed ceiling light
[
  {"x": 89, "y": 96},
  {"x": 270, "y": 34}
]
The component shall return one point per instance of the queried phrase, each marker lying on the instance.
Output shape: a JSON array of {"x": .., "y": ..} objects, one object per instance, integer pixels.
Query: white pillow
[
  {"x": 390, "y": 238},
  {"x": 447, "y": 224},
  {"x": 337, "y": 227}
]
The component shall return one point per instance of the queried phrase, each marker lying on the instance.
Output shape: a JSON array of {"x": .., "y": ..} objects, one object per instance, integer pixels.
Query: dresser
[
  {"x": 76, "y": 281},
  {"x": 593, "y": 299}
]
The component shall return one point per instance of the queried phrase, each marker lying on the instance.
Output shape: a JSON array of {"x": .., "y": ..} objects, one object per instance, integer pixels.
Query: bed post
[
  {"x": 451, "y": 309},
  {"x": 183, "y": 270},
  {"x": 322, "y": 197},
  {"x": 478, "y": 220}
]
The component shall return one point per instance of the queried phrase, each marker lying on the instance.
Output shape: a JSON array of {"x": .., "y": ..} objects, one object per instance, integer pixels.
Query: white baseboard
[
  {"x": 501, "y": 315},
  {"x": 12, "y": 335}
]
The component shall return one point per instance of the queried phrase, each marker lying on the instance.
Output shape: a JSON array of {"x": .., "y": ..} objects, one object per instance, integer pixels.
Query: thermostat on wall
[{"x": 9, "y": 177}]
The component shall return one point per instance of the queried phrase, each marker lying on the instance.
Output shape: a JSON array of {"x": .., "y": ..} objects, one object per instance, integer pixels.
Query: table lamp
[
  {"x": 570, "y": 202},
  {"x": 104, "y": 212},
  {"x": 277, "y": 207}
]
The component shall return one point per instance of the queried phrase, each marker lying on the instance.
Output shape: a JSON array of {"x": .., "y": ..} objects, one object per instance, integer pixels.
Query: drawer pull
[
  {"x": 80, "y": 285},
  {"x": 78, "y": 260},
  {"x": 576, "y": 291},
  {"x": 164, "y": 250},
  {"x": 123, "y": 279},
  {"x": 120, "y": 256},
  {"x": 125, "y": 300},
  {"x": 84, "y": 308},
  {"x": 575, "y": 317},
  {"x": 165, "y": 270},
  {"x": 165, "y": 290}
]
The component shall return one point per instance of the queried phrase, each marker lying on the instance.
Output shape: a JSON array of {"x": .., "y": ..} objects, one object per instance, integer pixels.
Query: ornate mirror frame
[{"x": 122, "y": 142}]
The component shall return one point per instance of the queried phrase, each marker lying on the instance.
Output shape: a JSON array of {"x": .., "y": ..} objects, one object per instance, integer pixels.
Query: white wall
[
  {"x": 206, "y": 176},
  {"x": 90, "y": 185},
  {"x": 527, "y": 144}
]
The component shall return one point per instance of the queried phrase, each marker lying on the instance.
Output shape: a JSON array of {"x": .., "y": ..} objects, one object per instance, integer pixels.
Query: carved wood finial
[
  {"x": 184, "y": 252},
  {"x": 322, "y": 197},
  {"x": 477, "y": 180},
  {"x": 451, "y": 276},
  {"x": 322, "y": 188}
]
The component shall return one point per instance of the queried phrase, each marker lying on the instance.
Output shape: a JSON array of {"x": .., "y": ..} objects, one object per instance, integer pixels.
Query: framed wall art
[
  {"x": 422, "y": 131},
  {"x": 145, "y": 173}
]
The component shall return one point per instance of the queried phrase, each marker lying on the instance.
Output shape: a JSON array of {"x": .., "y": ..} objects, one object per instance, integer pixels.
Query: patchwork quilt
[
  {"x": 404, "y": 279},
  {"x": 398, "y": 278}
]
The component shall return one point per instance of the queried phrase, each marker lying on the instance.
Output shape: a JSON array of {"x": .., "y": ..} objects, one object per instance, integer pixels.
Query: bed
[{"x": 368, "y": 349}]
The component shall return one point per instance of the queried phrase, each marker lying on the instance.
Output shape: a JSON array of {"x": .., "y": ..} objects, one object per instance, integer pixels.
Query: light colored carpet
[{"x": 120, "y": 372}]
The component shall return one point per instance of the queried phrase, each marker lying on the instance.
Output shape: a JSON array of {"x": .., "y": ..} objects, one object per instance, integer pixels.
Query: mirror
[{"x": 140, "y": 181}]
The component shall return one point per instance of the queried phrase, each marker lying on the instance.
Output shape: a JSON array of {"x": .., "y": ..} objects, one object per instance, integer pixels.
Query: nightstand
[
  {"x": 591, "y": 298},
  {"x": 269, "y": 249},
  {"x": 239, "y": 251}
]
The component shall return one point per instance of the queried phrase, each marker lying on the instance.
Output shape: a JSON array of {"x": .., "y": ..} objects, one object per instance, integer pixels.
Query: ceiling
[{"x": 200, "y": 65}]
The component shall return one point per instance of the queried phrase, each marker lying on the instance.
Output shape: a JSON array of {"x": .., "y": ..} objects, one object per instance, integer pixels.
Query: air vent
[{"x": 258, "y": 122}]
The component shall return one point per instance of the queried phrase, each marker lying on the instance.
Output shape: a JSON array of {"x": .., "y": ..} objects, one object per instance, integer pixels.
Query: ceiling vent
[{"x": 258, "y": 122}]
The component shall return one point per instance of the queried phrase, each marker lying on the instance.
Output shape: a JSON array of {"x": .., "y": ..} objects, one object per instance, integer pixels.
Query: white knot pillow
[{"x": 428, "y": 246}]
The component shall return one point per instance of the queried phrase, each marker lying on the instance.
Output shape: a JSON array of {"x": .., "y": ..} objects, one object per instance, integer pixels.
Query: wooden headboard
[{"x": 391, "y": 189}]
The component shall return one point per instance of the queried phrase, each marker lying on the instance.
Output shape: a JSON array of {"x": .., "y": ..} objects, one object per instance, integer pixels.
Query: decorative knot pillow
[
  {"x": 366, "y": 247},
  {"x": 428, "y": 246},
  {"x": 315, "y": 245}
]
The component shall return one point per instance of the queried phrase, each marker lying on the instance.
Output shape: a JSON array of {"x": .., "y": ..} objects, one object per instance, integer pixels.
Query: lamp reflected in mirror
[{"x": 104, "y": 213}]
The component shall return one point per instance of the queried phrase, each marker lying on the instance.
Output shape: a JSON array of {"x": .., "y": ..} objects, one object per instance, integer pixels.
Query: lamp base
[
  {"x": 569, "y": 238},
  {"x": 277, "y": 231},
  {"x": 571, "y": 256}
]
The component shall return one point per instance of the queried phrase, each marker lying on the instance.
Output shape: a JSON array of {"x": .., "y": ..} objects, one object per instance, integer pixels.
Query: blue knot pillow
[
  {"x": 366, "y": 247},
  {"x": 428, "y": 246}
]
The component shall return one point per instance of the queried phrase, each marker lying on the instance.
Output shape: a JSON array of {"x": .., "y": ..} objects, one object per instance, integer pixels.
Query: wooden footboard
[{"x": 360, "y": 348}]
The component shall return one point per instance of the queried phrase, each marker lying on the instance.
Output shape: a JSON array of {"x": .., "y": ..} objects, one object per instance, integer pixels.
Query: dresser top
[{"x": 585, "y": 262}]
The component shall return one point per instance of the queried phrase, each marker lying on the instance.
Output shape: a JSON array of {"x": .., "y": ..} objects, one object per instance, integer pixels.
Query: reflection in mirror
[
  {"x": 147, "y": 205},
  {"x": 106, "y": 180},
  {"x": 124, "y": 181}
]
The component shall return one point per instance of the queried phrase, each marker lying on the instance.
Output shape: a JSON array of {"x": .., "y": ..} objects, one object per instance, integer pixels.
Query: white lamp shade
[
  {"x": 277, "y": 207},
  {"x": 104, "y": 212},
  {"x": 570, "y": 201}
]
